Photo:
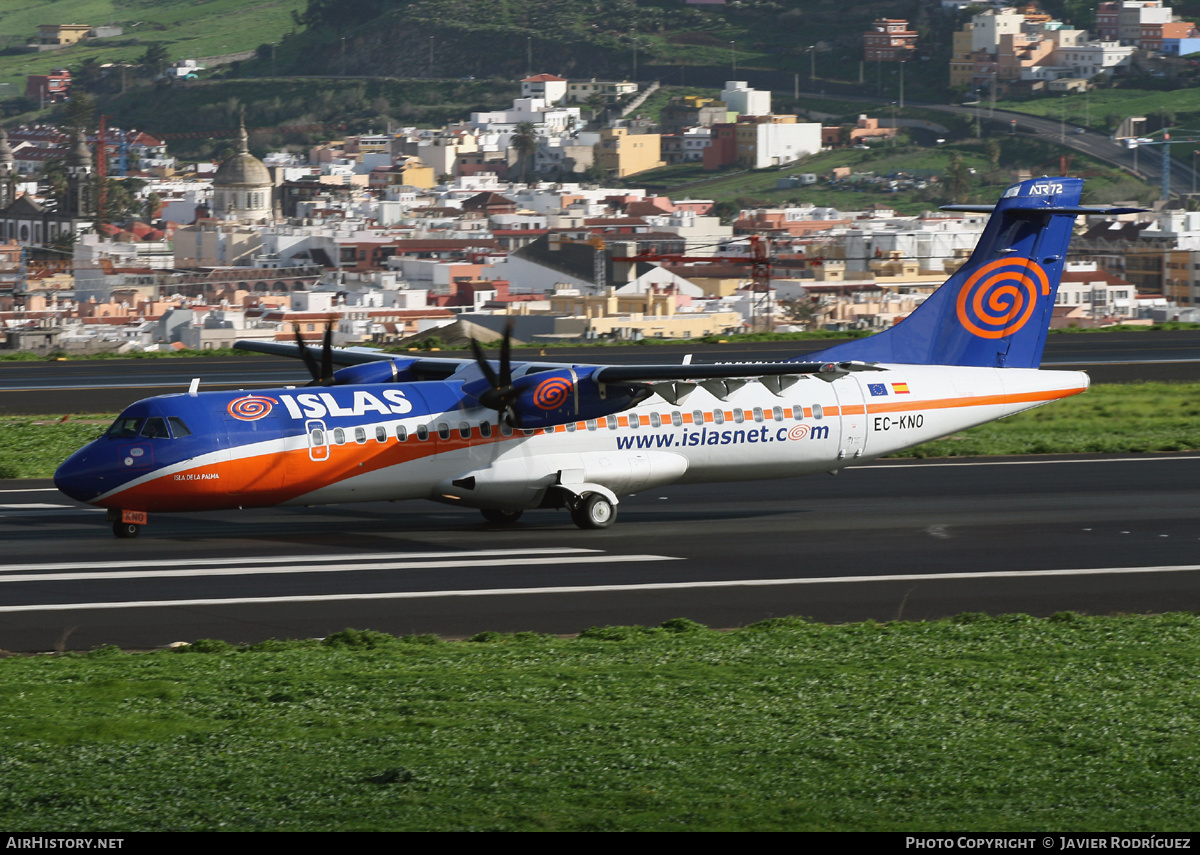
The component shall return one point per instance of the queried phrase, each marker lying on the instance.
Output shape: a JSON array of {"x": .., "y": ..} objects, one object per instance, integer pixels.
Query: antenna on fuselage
[{"x": 195, "y": 387}]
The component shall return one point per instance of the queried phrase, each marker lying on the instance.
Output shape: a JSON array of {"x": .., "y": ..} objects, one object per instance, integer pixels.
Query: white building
[{"x": 741, "y": 99}]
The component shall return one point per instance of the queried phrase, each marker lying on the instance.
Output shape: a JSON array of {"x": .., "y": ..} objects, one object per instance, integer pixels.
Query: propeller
[
  {"x": 500, "y": 394},
  {"x": 322, "y": 374}
]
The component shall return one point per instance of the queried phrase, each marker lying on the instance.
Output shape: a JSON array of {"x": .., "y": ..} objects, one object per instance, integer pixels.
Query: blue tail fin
[{"x": 995, "y": 310}]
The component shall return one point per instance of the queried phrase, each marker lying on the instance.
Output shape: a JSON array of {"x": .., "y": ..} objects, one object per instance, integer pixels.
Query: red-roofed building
[
  {"x": 49, "y": 88},
  {"x": 549, "y": 87}
]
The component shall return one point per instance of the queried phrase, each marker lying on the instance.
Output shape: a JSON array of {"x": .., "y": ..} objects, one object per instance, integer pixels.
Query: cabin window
[
  {"x": 360, "y": 435},
  {"x": 422, "y": 432},
  {"x": 758, "y": 414},
  {"x": 506, "y": 429},
  {"x": 738, "y": 415},
  {"x": 591, "y": 424},
  {"x": 464, "y": 430},
  {"x": 798, "y": 413},
  {"x": 818, "y": 411},
  {"x": 155, "y": 428},
  {"x": 548, "y": 430},
  {"x": 697, "y": 417},
  {"x": 317, "y": 437},
  {"x": 443, "y": 430},
  {"x": 635, "y": 420},
  {"x": 380, "y": 433},
  {"x": 571, "y": 427},
  {"x": 613, "y": 423},
  {"x": 485, "y": 429},
  {"x": 676, "y": 418},
  {"x": 178, "y": 428},
  {"x": 339, "y": 436},
  {"x": 719, "y": 417},
  {"x": 401, "y": 433},
  {"x": 655, "y": 420},
  {"x": 778, "y": 414}
]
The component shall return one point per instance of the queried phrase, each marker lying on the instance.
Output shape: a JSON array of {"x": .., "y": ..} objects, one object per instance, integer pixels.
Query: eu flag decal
[{"x": 877, "y": 389}]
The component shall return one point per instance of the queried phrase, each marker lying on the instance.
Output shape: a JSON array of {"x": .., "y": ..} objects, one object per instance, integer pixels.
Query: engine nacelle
[
  {"x": 382, "y": 371},
  {"x": 557, "y": 397}
]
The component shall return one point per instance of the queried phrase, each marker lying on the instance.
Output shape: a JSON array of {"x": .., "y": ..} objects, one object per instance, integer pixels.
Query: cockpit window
[
  {"x": 155, "y": 428},
  {"x": 178, "y": 428},
  {"x": 125, "y": 427}
]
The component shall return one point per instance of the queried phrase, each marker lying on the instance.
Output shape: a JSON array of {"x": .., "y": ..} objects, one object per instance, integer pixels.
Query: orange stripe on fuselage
[
  {"x": 269, "y": 479},
  {"x": 974, "y": 401}
]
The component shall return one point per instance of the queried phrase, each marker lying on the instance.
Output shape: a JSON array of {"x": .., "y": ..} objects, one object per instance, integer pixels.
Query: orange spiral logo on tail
[
  {"x": 551, "y": 394},
  {"x": 998, "y": 299}
]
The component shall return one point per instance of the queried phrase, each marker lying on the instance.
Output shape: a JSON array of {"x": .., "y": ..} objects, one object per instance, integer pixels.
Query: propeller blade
[
  {"x": 305, "y": 354},
  {"x": 506, "y": 354},
  {"x": 484, "y": 367},
  {"x": 327, "y": 356}
]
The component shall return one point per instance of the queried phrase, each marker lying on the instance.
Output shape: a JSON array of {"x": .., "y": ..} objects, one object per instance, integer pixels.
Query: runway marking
[
  {"x": 904, "y": 464},
  {"x": 506, "y": 560},
  {"x": 590, "y": 589},
  {"x": 311, "y": 560}
]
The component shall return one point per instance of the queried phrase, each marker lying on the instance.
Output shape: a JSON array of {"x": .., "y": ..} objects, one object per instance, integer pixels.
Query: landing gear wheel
[
  {"x": 593, "y": 511},
  {"x": 124, "y": 529},
  {"x": 500, "y": 516}
]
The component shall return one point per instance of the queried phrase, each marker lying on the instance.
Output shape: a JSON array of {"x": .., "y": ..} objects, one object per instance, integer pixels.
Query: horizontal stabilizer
[{"x": 1074, "y": 211}]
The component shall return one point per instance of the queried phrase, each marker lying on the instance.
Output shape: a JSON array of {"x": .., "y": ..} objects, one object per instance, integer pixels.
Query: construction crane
[
  {"x": 759, "y": 260},
  {"x": 1135, "y": 143}
]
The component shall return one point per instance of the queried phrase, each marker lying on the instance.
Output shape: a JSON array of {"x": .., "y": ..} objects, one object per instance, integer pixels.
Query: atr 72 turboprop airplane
[{"x": 506, "y": 437}]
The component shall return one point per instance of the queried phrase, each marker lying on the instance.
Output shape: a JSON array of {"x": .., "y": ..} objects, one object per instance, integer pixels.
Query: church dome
[{"x": 243, "y": 169}]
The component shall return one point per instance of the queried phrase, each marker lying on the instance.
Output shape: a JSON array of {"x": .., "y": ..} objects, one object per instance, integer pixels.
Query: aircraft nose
[{"x": 79, "y": 477}]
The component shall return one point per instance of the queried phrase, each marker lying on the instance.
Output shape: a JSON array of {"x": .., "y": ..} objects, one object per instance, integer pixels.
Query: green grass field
[
  {"x": 187, "y": 28},
  {"x": 975, "y": 723}
]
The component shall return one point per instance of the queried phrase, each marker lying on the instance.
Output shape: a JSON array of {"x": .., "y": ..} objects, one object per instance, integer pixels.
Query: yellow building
[
  {"x": 61, "y": 35},
  {"x": 620, "y": 153}
]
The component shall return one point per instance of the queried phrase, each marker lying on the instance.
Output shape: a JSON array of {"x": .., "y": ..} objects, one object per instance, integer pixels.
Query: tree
[
  {"x": 77, "y": 113},
  {"x": 153, "y": 204},
  {"x": 155, "y": 60},
  {"x": 803, "y": 311},
  {"x": 958, "y": 178},
  {"x": 993, "y": 151},
  {"x": 525, "y": 141}
]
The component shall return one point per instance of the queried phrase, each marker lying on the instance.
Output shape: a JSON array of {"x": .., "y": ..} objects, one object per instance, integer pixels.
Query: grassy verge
[
  {"x": 1142, "y": 417},
  {"x": 973, "y": 723}
]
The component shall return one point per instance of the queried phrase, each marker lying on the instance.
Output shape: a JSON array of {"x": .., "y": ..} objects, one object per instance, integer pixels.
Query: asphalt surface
[
  {"x": 895, "y": 539},
  {"x": 912, "y": 540}
]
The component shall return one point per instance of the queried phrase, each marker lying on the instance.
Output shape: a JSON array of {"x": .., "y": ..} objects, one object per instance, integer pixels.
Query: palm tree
[{"x": 525, "y": 141}]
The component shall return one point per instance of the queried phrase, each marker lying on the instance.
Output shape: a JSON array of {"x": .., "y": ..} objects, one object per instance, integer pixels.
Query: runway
[{"x": 894, "y": 539}]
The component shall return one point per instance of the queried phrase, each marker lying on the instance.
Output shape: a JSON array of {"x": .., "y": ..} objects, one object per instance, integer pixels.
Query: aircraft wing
[
  {"x": 425, "y": 368},
  {"x": 722, "y": 370}
]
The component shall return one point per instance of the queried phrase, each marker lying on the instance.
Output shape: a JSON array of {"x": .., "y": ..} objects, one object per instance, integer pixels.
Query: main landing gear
[
  {"x": 593, "y": 511},
  {"x": 124, "y": 529},
  {"x": 589, "y": 511}
]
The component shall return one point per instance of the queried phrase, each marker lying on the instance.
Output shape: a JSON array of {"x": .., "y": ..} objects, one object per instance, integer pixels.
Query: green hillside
[{"x": 186, "y": 28}]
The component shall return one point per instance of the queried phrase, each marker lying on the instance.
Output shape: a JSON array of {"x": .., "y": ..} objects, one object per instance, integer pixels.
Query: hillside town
[{"x": 439, "y": 234}]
